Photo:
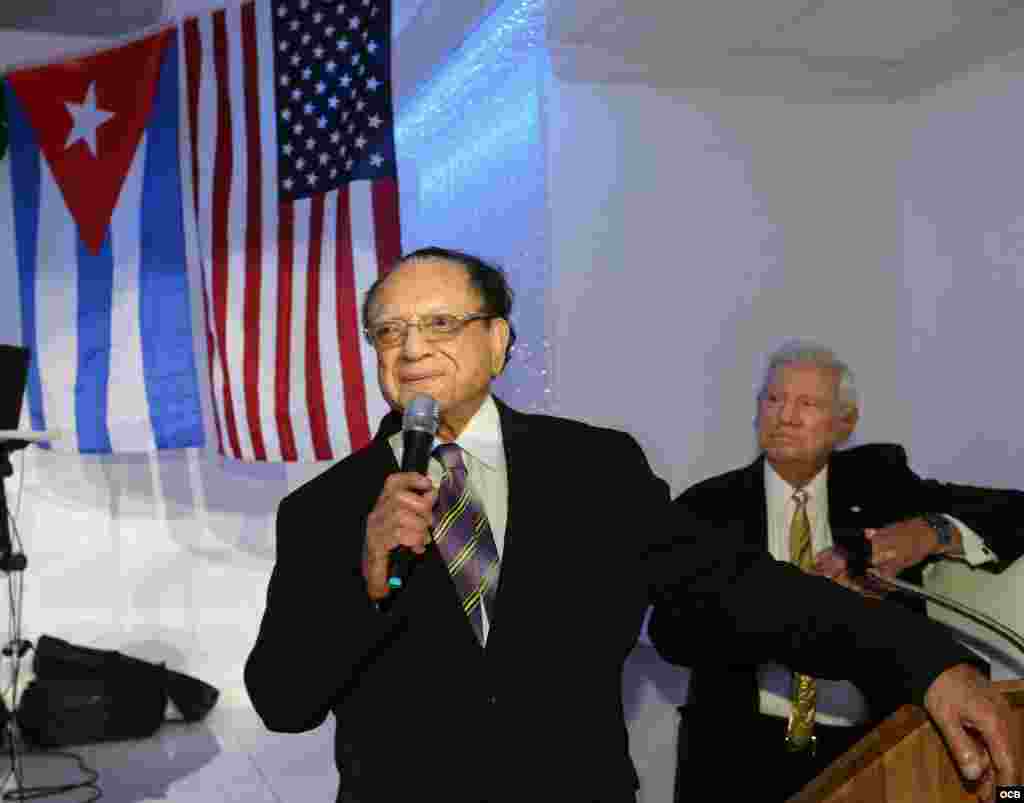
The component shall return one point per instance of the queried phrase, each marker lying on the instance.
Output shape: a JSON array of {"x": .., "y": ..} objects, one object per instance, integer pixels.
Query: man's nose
[
  {"x": 789, "y": 413},
  {"x": 415, "y": 345}
]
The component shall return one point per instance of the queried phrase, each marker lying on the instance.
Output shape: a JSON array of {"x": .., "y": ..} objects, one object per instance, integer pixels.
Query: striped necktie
[
  {"x": 463, "y": 535},
  {"x": 800, "y": 728}
]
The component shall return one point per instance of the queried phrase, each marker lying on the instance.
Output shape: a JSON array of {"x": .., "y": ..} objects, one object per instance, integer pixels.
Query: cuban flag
[{"x": 92, "y": 190}]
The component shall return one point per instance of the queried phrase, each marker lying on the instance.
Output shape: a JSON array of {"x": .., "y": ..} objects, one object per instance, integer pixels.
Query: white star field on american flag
[{"x": 333, "y": 100}]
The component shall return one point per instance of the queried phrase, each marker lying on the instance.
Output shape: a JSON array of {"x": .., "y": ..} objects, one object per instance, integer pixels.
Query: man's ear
[
  {"x": 499, "y": 344},
  {"x": 847, "y": 423}
]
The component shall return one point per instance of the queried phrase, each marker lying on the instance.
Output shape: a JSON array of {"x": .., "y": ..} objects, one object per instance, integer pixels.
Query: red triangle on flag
[{"x": 88, "y": 115}]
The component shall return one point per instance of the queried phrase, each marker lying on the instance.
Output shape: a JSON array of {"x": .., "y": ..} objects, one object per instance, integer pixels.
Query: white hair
[{"x": 809, "y": 352}]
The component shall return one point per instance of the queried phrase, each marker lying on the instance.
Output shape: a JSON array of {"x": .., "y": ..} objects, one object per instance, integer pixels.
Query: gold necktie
[{"x": 800, "y": 729}]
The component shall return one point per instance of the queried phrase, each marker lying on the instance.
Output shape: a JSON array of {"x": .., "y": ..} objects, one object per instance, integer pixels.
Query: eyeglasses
[{"x": 433, "y": 328}]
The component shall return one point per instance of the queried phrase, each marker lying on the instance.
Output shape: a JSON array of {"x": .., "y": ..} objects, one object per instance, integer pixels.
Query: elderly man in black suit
[
  {"x": 800, "y": 489},
  {"x": 495, "y": 673}
]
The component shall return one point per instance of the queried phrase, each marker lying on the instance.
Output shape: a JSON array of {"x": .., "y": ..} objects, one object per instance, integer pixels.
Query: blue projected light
[
  {"x": 480, "y": 146},
  {"x": 496, "y": 48},
  {"x": 473, "y": 174}
]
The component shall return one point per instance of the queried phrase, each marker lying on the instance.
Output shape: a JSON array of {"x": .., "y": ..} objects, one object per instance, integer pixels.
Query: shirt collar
[
  {"x": 481, "y": 438},
  {"x": 482, "y": 435},
  {"x": 778, "y": 488}
]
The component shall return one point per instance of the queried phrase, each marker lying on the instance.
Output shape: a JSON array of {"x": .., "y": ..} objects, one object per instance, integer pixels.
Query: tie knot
[
  {"x": 801, "y": 497},
  {"x": 450, "y": 455}
]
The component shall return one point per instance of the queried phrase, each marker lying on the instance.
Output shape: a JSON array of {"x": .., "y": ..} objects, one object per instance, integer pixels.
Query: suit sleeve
[
  {"x": 320, "y": 629},
  {"x": 764, "y": 610},
  {"x": 996, "y": 515}
]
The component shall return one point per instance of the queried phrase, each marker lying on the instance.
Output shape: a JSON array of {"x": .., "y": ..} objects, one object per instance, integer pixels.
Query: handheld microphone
[{"x": 419, "y": 426}]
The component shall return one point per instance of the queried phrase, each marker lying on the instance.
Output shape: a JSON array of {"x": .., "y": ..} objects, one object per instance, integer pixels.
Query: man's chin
[
  {"x": 784, "y": 453},
  {"x": 411, "y": 390}
]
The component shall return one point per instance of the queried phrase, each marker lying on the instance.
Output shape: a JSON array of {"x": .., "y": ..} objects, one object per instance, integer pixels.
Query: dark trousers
[{"x": 752, "y": 755}]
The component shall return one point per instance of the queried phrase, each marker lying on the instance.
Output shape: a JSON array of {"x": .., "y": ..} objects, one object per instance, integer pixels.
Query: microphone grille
[{"x": 421, "y": 413}]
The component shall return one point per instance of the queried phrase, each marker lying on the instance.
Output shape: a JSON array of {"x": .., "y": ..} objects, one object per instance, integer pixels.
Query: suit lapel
[
  {"x": 389, "y": 425},
  {"x": 755, "y": 501},
  {"x": 845, "y": 510},
  {"x": 524, "y": 457},
  {"x": 732, "y": 691},
  {"x": 515, "y": 442}
]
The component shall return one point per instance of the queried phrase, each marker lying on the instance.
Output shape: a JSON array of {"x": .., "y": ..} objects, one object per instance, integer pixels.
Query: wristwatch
[{"x": 942, "y": 526}]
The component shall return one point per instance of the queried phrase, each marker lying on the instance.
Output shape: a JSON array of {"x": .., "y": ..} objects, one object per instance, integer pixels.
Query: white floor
[{"x": 228, "y": 757}]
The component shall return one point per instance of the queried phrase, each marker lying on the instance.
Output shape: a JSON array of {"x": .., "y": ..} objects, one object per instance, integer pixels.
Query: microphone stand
[
  {"x": 951, "y": 604},
  {"x": 858, "y": 552},
  {"x": 10, "y": 563}
]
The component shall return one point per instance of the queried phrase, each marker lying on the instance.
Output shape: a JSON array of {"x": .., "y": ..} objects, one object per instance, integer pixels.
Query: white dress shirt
[
  {"x": 483, "y": 452},
  {"x": 839, "y": 701}
]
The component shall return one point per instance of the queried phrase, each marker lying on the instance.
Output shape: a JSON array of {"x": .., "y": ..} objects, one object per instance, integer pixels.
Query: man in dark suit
[
  {"x": 806, "y": 407},
  {"x": 495, "y": 673}
]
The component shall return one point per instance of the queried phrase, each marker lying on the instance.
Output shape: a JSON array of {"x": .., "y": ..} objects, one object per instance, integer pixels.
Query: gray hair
[{"x": 806, "y": 351}]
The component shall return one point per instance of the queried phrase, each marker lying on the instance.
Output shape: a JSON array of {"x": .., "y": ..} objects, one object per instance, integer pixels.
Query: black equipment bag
[
  {"x": 58, "y": 713},
  {"x": 83, "y": 694}
]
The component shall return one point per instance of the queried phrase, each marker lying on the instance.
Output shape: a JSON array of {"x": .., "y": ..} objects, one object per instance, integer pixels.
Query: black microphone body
[
  {"x": 856, "y": 549},
  {"x": 416, "y": 445},
  {"x": 419, "y": 425}
]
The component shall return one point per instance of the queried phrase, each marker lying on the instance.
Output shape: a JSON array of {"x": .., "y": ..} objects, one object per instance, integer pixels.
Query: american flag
[{"x": 296, "y": 207}]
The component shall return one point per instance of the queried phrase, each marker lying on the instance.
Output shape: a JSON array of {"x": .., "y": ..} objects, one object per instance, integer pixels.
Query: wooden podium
[{"x": 903, "y": 760}]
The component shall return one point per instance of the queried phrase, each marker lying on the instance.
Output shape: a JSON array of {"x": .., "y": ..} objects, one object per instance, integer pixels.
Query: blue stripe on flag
[
  {"x": 165, "y": 315},
  {"x": 25, "y": 176},
  {"x": 95, "y": 307}
]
